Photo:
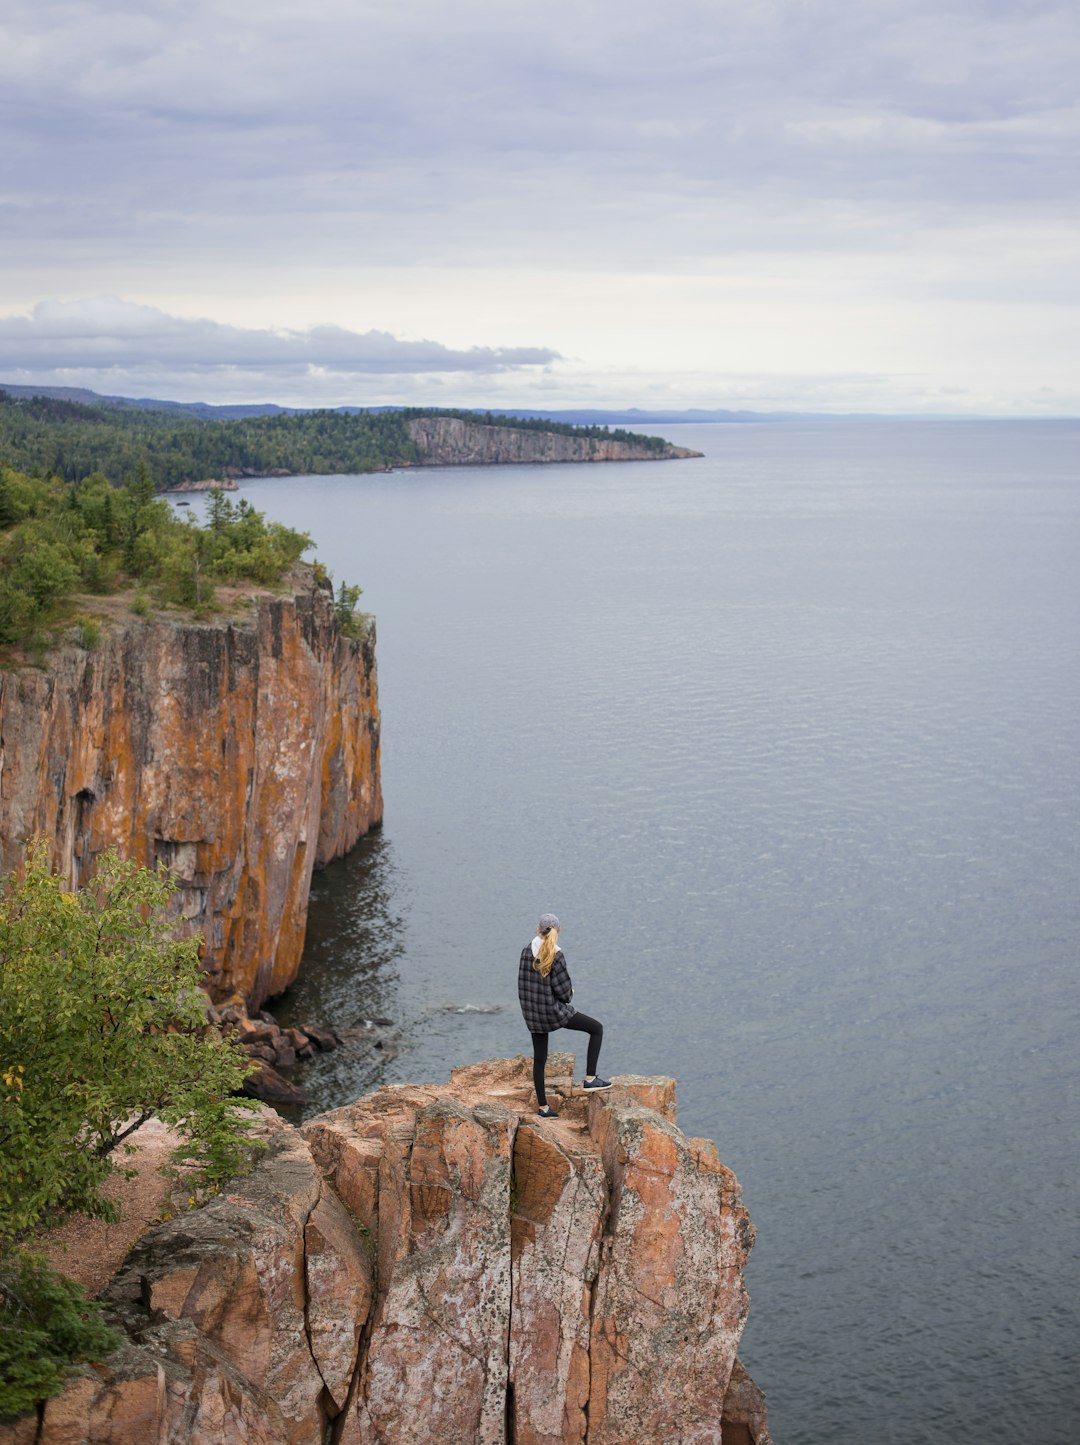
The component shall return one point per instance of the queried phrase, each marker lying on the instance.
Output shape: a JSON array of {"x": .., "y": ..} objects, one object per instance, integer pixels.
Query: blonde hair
[{"x": 549, "y": 947}]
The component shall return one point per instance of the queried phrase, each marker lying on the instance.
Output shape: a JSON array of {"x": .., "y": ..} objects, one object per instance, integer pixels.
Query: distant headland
[{"x": 180, "y": 447}]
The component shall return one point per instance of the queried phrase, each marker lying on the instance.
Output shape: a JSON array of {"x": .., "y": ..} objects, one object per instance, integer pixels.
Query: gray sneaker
[{"x": 597, "y": 1083}]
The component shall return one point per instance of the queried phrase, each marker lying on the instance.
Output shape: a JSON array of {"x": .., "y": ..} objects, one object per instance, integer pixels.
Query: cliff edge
[
  {"x": 451, "y": 441},
  {"x": 437, "y": 1263},
  {"x": 238, "y": 753}
]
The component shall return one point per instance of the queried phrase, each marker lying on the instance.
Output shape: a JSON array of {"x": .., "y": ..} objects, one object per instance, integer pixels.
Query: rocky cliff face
[
  {"x": 449, "y": 441},
  {"x": 438, "y": 1264},
  {"x": 239, "y": 754}
]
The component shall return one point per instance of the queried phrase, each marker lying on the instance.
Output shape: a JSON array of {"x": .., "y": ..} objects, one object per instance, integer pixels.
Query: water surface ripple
[{"x": 788, "y": 738}]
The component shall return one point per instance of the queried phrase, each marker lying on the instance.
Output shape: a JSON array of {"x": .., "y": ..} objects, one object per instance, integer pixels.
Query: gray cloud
[
  {"x": 432, "y": 131},
  {"x": 104, "y": 335},
  {"x": 889, "y": 187}
]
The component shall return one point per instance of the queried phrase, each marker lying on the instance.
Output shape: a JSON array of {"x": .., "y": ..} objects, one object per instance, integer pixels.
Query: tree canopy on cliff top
[{"x": 59, "y": 538}]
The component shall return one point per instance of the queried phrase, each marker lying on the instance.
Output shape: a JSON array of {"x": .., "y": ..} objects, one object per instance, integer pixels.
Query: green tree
[
  {"x": 46, "y": 1323},
  {"x": 219, "y": 509},
  {"x": 345, "y": 607},
  {"x": 102, "y": 1025}
]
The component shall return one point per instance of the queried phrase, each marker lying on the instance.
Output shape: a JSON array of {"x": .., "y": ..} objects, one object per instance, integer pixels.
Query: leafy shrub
[
  {"x": 181, "y": 577},
  {"x": 102, "y": 1025},
  {"x": 46, "y": 1325},
  {"x": 88, "y": 633}
]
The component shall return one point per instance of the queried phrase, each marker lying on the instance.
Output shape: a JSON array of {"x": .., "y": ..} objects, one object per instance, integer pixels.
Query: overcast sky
[{"x": 868, "y": 205}]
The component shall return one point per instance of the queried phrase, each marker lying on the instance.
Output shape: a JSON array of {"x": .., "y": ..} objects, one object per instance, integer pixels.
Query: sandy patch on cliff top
[{"x": 91, "y": 1251}]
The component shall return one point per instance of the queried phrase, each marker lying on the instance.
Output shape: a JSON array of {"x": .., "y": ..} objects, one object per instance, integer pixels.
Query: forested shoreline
[{"x": 72, "y": 440}]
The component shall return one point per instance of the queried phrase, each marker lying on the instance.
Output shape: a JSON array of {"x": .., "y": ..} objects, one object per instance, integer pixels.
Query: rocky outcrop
[
  {"x": 206, "y": 484},
  {"x": 239, "y": 754},
  {"x": 437, "y": 1263},
  {"x": 450, "y": 441}
]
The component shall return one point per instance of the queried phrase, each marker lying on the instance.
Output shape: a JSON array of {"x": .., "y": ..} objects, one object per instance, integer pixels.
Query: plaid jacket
[{"x": 545, "y": 1002}]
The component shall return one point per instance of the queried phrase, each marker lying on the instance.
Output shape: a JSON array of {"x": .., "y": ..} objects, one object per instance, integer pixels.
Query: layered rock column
[
  {"x": 238, "y": 754},
  {"x": 576, "y": 1280}
]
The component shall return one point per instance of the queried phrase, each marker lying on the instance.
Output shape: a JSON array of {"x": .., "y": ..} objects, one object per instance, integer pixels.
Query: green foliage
[
  {"x": 345, "y": 609},
  {"x": 76, "y": 441},
  {"x": 218, "y": 1145},
  {"x": 173, "y": 446},
  {"x": 102, "y": 1025},
  {"x": 92, "y": 537},
  {"x": 238, "y": 543},
  {"x": 88, "y": 632},
  {"x": 46, "y": 1325}
]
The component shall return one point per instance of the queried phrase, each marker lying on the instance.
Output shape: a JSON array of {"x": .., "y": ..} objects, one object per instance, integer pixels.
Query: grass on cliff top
[{"x": 70, "y": 552}]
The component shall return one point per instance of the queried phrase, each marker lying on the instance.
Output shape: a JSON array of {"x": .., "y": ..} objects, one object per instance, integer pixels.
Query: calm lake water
[{"x": 788, "y": 737}]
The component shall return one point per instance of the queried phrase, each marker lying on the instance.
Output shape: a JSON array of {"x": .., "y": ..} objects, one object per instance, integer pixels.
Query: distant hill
[
  {"x": 594, "y": 416},
  {"x": 203, "y": 410}
]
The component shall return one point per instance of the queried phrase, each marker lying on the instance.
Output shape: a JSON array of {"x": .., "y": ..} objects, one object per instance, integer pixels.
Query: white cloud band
[{"x": 106, "y": 334}]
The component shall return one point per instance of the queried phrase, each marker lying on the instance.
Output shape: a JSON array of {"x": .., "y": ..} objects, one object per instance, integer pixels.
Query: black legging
[{"x": 585, "y": 1025}]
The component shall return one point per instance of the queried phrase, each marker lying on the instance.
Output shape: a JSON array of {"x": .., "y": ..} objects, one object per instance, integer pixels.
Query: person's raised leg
[{"x": 584, "y": 1024}]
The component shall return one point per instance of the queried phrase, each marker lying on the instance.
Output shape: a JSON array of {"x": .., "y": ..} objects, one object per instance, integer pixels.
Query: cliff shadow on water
[{"x": 349, "y": 978}]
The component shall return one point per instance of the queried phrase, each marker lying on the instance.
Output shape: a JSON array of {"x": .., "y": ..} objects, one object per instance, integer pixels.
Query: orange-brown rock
[
  {"x": 626, "y": 1244},
  {"x": 124, "y": 1408},
  {"x": 559, "y": 1209},
  {"x": 670, "y": 1284},
  {"x": 436, "y": 1263},
  {"x": 238, "y": 754}
]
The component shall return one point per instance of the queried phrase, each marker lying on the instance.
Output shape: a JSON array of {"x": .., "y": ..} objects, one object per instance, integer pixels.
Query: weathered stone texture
[
  {"x": 239, "y": 754},
  {"x": 559, "y": 1210},
  {"x": 670, "y": 1285},
  {"x": 451, "y": 441},
  {"x": 437, "y": 1263},
  {"x": 745, "y": 1414},
  {"x": 625, "y": 1300}
]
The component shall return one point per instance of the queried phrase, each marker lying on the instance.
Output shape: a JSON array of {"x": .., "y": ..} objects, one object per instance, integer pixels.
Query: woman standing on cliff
[{"x": 546, "y": 994}]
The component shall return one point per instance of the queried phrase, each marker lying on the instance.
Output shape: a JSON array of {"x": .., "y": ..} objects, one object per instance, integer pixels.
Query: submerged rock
[{"x": 264, "y": 1082}]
